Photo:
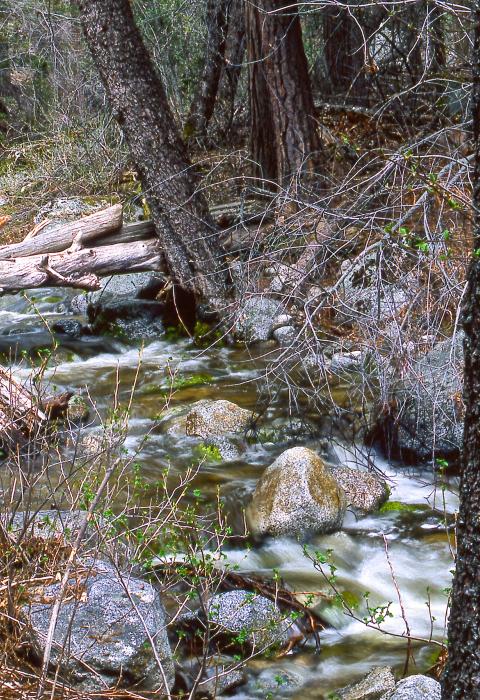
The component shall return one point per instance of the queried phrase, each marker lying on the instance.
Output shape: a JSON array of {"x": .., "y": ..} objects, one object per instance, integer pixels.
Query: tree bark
[
  {"x": 344, "y": 54},
  {"x": 188, "y": 237},
  {"x": 284, "y": 139},
  {"x": 462, "y": 675},
  {"x": 203, "y": 104},
  {"x": 232, "y": 64}
]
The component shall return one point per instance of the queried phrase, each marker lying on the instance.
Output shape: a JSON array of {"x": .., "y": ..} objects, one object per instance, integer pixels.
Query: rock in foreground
[
  {"x": 106, "y": 624},
  {"x": 248, "y": 618},
  {"x": 296, "y": 496}
]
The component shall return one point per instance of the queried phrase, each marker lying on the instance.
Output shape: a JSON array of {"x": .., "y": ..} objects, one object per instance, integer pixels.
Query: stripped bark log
[
  {"x": 84, "y": 230},
  {"x": 79, "y": 269}
]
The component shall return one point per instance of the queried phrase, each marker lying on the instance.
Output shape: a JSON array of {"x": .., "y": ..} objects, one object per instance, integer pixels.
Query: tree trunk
[
  {"x": 232, "y": 64},
  {"x": 203, "y": 103},
  {"x": 414, "y": 15},
  {"x": 187, "y": 234},
  {"x": 437, "y": 53},
  {"x": 344, "y": 54},
  {"x": 284, "y": 139},
  {"x": 462, "y": 675}
]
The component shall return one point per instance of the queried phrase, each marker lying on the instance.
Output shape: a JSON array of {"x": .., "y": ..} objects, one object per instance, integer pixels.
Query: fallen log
[
  {"x": 83, "y": 231},
  {"x": 104, "y": 228},
  {"x": 79, "y": 269}
]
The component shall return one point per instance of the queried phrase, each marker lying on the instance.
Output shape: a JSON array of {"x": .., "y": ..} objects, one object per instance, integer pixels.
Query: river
[{"x": 418, "y": 545}]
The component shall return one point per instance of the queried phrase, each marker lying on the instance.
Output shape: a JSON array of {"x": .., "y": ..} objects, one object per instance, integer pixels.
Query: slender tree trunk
[
  {"x": 284, "y": 139},
  {"x": 414, "y": 16},
  {"x": 203, "y": 103},
  {"x": 232, "y": 65},
  {"x": 437, "y": 54},
  {"x": 462, "y": 675},
  {"x": 344, "y": 54},
  {"x": 187, "y": 235}
]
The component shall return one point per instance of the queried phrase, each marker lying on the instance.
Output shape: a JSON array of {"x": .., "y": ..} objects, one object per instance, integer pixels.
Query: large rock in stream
[
  {"x": 428, "y": 418},
  {"x": 208, "y": 418},
  {"x": 296, "y": 496},
  {"x": 104, "y": 632}
]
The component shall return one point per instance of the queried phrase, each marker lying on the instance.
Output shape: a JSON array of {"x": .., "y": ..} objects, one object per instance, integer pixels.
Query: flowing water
[{"x": 414, "y": 576}]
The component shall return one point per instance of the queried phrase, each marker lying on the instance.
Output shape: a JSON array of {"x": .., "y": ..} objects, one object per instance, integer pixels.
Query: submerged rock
[
  {"x": 296, "y": 496},
  {"x": 256, "y": 319},
  {"x": 134, "y": 319},
  {"x": 249, "y": 618},
  {"x": 364, "y": 490},
  {"x": 373, "y": 687},
  {"x": 429, "y": 417},
  {"x": 283, "y": 681},
  {"x": 107, "y": 626},
  {"x": 415, "y": 688},
  {"x": 209, "y": 418},
  {"x": 221, "y": 673}
]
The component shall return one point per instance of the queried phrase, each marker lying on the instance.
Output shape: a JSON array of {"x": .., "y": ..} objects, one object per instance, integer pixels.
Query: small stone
[
  {"x": 347, "y": 361},
  {"x": 277, "y": 680},
  {"x": 281, "y": 320},
  {"x": 78, "y": 409},
  {"x": 285, "y": 335},
  {"x": 50, "y": 523},
  {"x": 221, "y": 673}
]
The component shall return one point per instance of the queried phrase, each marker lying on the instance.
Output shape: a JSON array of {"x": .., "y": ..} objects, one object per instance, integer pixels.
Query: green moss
[
  {"x": 183, "y": 382},
  {"x": 397, "y": 506},
  {"x": 209, "y": 453}
]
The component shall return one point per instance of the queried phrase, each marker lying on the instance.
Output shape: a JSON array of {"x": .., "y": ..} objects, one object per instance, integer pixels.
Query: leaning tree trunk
[
  {"x": 203, "y": 103},
  {"x": 284, "y": 139},
  {"x": 462, "y": 675},
  {"x": 187, "y": 235},
  {"x": 344, "y": 54}
]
